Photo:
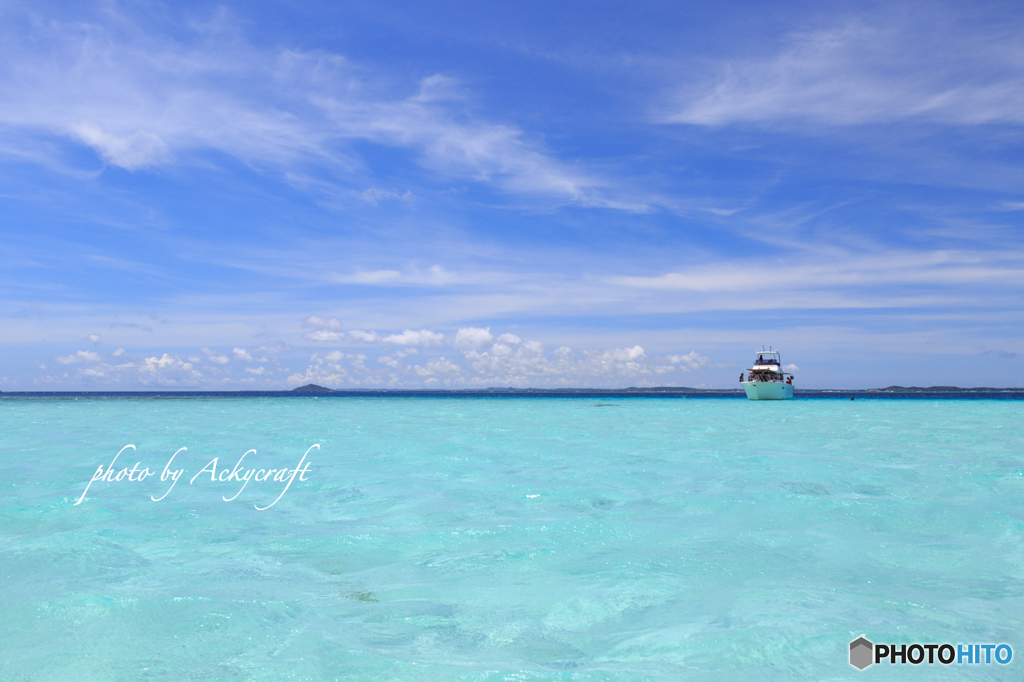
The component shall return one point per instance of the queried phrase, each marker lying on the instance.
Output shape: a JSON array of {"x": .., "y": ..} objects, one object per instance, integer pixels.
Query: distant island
[{"x": 312, "y": 389}]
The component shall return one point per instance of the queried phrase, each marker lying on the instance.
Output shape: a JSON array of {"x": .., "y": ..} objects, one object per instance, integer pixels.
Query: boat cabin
[{"x": 768, "y": 368}]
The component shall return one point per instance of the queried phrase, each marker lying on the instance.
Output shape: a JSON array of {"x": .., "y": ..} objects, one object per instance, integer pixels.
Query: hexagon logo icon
[{"x": 862, "y": 653}]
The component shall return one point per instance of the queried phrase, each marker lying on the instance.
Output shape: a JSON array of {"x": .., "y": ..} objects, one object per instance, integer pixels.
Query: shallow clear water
[{"x": 509, "y": 539}]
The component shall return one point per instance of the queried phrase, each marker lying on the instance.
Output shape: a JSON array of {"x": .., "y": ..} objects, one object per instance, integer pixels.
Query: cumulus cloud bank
[
  {"x": 489, "y": 359},
  {"x": 475, "y": 357}
]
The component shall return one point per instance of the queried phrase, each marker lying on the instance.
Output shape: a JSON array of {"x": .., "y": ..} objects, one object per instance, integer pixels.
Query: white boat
[{"x": 766, "y": 380}]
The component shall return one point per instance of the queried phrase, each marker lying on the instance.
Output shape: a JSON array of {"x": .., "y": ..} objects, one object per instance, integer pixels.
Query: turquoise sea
[{"x": 509, "y": 539}]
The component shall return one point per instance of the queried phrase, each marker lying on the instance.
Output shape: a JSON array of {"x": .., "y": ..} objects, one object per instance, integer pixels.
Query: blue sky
[{"x": 254, "y": 195}]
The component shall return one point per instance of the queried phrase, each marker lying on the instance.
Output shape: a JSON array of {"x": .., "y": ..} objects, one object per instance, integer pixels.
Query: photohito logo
[{"x": 863, "y": 653}]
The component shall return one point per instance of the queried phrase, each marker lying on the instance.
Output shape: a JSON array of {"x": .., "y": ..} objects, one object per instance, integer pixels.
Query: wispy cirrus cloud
[
  {"x": 132, "y": 151},
  {"x": 946, "y": 270},
  {"x": 434, "y": 275},
  {"x": 877, "y": 71},
  {"x": 143, "y": 99}
]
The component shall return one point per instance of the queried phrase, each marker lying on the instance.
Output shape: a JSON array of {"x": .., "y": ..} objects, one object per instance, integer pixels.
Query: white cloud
[
  {"x": 791, "y": 368},
  {"x": 508, "y": 360},
  {"x": 323, "y": 328},
  {"x": 317, "y": 322},
  {"x": 160, "y": 369},
  {"x": 504, "y": 363},
  {"x": 278, "y": 347},
  {"x": 861, "y": 73},
  {"x": 501, "y": 350},
  {"x": 95, "y": 338},
  {"x": 434, "y": 275},
  {"x": 242, "y": 355},
  {"x": 623, "y": 354},
  {"x": 154, "y": 363},
  {"x": 324, "y": 335},
  {"x": 214, "y": 356},
  {"x": 818, "y": 270},
  {"x": 690, "y": 361},
  {"x": 167, "y": 370},
  {"x": 363, "y": 337},
  {"x": 373, "y": 277},
  {"x": 324, "y": 371},
  {"x": 487, "y": 152},
  {"x": 80, "y": 356},
  {"x": 133, "y": 151},
  {"x": 473, "y": 337},
  {"x": 375, "y": 195},
  {"x": 391, "y": 361},
  {"x": 513, "y": 361},
  {"x": 408, "y": 337},
  {"x": 438, "y": 367}
]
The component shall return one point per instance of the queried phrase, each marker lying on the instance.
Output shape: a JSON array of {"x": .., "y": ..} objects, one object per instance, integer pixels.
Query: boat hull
[{"x": 768, "y": 390}]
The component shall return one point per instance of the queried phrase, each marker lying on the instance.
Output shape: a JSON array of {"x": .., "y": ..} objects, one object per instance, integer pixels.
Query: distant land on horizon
[{"x": 314, "y": 390}]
